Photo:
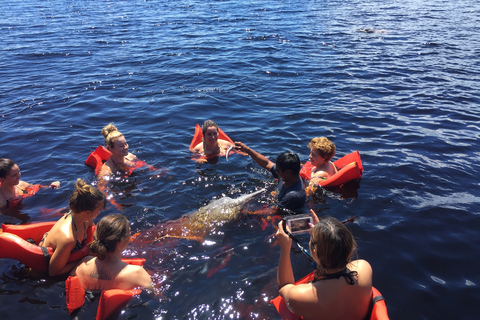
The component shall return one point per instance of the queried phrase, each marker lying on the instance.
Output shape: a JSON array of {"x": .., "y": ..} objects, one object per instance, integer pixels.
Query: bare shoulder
[
  {"x": 360, "y": 265},
  {"x": 106, "y": 169},
  {"x": 83, "y": 265},
  {"x": 225, "y": 143},
  {"x": 131, "y": 157},
  {"x": 87, "y": 259},
  {"x": 364, "y": 270},
  {"x": 299, "y": 297},
  {"x": 198, "y": 148},
  {"x": 138, "y": 275},
  {"x": 23, "y": 184}
]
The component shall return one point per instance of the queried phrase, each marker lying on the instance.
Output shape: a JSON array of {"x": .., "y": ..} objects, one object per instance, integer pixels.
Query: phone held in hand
[{"x": 298, "y": 223}]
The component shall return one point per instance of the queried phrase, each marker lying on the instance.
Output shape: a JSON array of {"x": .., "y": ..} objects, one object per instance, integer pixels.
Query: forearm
[
  {"x": 67, "y": 268},
  {"x": 260, "y": 159},
  {"x": 285, "y": 271}
]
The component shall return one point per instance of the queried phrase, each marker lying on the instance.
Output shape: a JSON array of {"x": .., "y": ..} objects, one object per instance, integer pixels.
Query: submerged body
[{"x": 196, "y": 225}]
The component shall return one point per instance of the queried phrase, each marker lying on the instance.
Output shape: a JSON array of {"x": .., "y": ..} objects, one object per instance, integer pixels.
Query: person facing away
[
  {"x": 69, "y": 233},
  {"x": 341, "y": 288},
  {"x": 211, "y": 144},
  {"x": 12, "y": 189},
  {"x": 105, "y": 270},
  {"x": 322, "y": 151},
  {"x": 290, "y": 190},
  {"x": 121, "y": 159}
]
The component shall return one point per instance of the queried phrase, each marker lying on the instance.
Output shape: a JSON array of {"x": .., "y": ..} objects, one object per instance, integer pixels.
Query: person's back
[
  {"x": 107, "y": 270},
  {"x": 98, "y": 275},
  {"x": 341, "y": 289},
  {"x": 334, "y": 298}
]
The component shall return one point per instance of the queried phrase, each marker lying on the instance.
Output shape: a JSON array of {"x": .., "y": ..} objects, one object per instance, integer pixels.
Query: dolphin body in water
[
  {"x": 223, "y": 210},
  {"x": 196, "y": 225}
]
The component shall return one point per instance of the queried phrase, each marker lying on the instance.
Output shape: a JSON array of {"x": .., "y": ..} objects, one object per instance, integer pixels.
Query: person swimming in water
[
  {"x": 290, "y": 190},
  {"x": 342, "y": 287},
  {"x": 121, "y": 160},
  {"x": 322, "y": 151},
  {"x": 69, "y": 233},
  {"x": 12, "y": 189},
  {"x": 105, "y": 270},
  {"x": 211, "y": 145}
]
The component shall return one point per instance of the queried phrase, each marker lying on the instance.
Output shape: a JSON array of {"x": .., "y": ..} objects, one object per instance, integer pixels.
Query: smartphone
[{"x": 298, "y": 223}]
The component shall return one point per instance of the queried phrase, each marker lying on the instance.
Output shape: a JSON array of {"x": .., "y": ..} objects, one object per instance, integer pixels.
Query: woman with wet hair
[
  {"x": 69, "y": 234},
  {"x": 12, "y": 189},
  {"x": 211, "y": 144},
  {"x": 105, "y": 270},
  {"x": 342, "y": 287}
]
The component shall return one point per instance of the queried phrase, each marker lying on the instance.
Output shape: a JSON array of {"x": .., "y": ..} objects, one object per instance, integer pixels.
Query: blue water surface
[{"x": 396, "y": 80}]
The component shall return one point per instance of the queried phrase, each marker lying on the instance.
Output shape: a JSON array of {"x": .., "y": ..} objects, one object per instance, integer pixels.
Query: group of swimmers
[{"x": 342, "y": 287}]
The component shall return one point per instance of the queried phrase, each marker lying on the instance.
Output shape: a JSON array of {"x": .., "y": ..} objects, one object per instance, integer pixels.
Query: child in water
[{"x": 322, "y": 150}]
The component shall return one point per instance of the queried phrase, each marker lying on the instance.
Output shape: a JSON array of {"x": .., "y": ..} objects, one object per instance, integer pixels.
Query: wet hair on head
[
  {"x": 5, "y": 166},
  {"x": 110, "y": 133},
  {"x": 207, "y": 124},
  {"x": 288, "y": 161},
  {"x": 110, "y": 231},
  {"x": 332, "y": 243},
  {"x": 324, "y": 146},
  {"x": 86, "y": 197}
]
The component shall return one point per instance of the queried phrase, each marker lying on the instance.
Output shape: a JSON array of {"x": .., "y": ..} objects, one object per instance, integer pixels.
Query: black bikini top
[{"x": 347, "y": 275}]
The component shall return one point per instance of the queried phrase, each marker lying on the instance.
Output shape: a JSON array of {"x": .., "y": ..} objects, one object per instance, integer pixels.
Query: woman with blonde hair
[
  {"x": 69, "y": 234},
  {"x": 121, "y": 160},
  {"x": 105, "y": 270}
]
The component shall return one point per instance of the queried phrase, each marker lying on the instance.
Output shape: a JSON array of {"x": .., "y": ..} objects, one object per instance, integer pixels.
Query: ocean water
[{"x": 396, "y": 80}]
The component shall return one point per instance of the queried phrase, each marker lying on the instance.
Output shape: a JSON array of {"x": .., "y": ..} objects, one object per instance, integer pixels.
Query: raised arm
[
  {"x": 285, "y": 279},
  {"x": 260, "y": 159}
]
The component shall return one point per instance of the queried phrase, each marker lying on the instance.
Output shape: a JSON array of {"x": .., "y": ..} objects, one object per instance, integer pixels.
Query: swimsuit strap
[
  {"x": 221, "y": 148},
  {"x": 24, "y": 191},
  {"x": 347, "y": 275},
  {"x": 75, "y": 226}
]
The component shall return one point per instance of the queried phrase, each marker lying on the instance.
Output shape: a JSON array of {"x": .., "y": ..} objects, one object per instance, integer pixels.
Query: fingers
[
  {"x": 55, "y": 184},
  {"x": 315, "y": 217},
  {"x": 239, "y": 146},
  {"x": 280, "y": 228}
]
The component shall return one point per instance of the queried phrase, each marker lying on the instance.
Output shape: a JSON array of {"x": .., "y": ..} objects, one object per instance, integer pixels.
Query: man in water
[{"x": 290, "y": 191}]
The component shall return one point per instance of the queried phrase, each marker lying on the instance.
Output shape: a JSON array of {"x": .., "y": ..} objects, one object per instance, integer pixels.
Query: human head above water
[
  {"x": 86, "y": 197},
  {"x": 110, "y": 133},
  {"x": 288, "y": 161},
  {"x": 5, "y": 166},
  {"x": 110, "y": 231},
  {"x": 325, "y": 148},
  {"x": 332, "y": 243},
  {"x": 207, "y": 124}
]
